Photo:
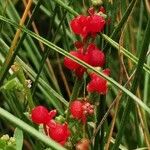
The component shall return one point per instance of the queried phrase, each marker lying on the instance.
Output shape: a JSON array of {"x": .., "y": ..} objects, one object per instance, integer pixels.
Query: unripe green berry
[{"x": 5, "y": 137}]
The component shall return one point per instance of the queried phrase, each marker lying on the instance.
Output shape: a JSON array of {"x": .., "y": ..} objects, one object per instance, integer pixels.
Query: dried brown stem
[{"x": 18, "y": 32}]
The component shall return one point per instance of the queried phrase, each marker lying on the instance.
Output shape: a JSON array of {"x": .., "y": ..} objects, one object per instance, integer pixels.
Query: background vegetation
[{"x": 34, "y": 38}]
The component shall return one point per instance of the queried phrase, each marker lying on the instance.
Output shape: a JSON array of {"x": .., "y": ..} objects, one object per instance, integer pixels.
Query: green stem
[
  {"x": 124, "y": 19},
  {"x": 99, "y": 139},
  {"x": 141, "y": 15},
  {"x": 69, "y": 9},
  {"x": 76, "y": 89},
  {"x": 3, "y": 14},
  {"x": 137, "y": 127},
  {"x": 75, "y": 93},
  {"x": 23, "y": 80},
  {"x": 147, "y": 79},
  {"x": 46, "y": 53},
  {"x": 24, "y": 126},
  {"x": 136, "y": 80}
]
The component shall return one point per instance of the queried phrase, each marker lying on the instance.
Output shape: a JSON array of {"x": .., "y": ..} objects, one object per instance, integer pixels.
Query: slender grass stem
[
  {"x": 9, "y": 57},
  {"x": 99, "y": 138},
  {"x": 50, "y": 68},
  {"x": 27, "y": 93},
  {"x": 136, "y": 80},
  {"x": 69, "y": 9},
  {"x": 125, "y": 52},
  {"x": 124, "y": 19}
]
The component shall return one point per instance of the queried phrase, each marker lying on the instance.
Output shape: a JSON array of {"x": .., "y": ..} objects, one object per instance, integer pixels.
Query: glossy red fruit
[
  {"x": 88, "y": 25},
  {"x": 97, "y": 83},
  {"x": 40, "y": 115},
  {"x": 95, "y": 24},
  {"x": 95, "y": 56},
  {"x": 70, "y": 64},
  {"x": 78, "y": 25},
  {"x": 76, "y": 109},
  {"x": 59, "y": 132},
  {"x": 81, "y": 109}
]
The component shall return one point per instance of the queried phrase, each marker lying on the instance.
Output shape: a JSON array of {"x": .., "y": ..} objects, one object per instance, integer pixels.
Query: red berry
[
  {"x": 81, "y": 109},
  {"x": 59, "y": 132},
  {"x": 40, "y": 115},
  {"x": 76, "y": 109},
  {"x": 95, "y": 24},
  {"x": 78, "y": 25},
  {"x": 80, "y": 71},
  {"x": 106, "y": 71},
  {"x": 97, "y": 83},
  {"x": 70, "y": 64},
  {"x": 95, "y": 56},
  {"x": 88, "y": 25}
]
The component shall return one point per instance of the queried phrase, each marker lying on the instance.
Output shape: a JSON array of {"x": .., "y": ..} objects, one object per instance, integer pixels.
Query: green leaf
[
  {"x": 9, "y": 147},
  {"x": 18, "y": 134},
  {"x": 12, "y": 84},
  {"x": 2, "y": 143}
]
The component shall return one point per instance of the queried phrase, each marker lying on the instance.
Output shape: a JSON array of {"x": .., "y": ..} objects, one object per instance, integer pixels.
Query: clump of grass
[{"x": 35, "y": 37}]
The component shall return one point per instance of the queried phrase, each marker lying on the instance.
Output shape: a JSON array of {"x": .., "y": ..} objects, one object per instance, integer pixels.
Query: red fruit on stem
[
  {"x": 81, "y": 109},
  {"x": 59, "y": 132},
  {"x": 76, "y": 109},
  {"x": 80, "y": 71},
  {"x": 97, "y": 83},
  {"x": 96, "y": 57},
  {"x": 106, "y": 71},
  {"x": 78, "y": 25},
  {"x": 70, "y": 64},
  {"x": 40, "y": 115},
  {"x": 88, "y": 25},
  {"x": 95, "y": 24}
]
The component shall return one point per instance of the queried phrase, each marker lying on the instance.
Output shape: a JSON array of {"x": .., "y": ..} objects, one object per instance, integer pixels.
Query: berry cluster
[
  {"x": 97, "y": 83},
  {"x": 88, "y": 27},
  {"x": 57, "y": 131},
  {"x": 91, "y": 55},
  {"x": 79, "y": 109}
]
